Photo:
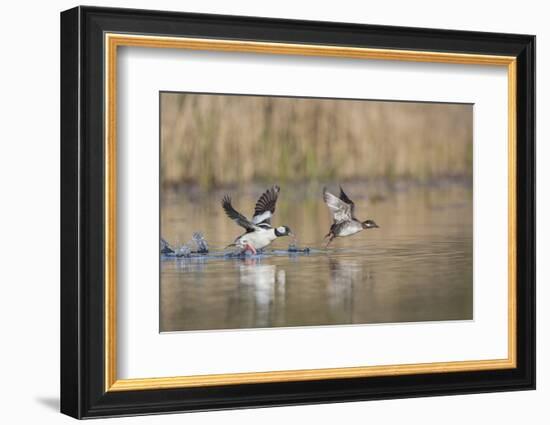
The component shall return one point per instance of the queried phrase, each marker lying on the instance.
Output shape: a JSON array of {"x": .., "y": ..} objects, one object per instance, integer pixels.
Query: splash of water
[
  {"x": 200, "y": 242},
  {"x": 183, "y": 251}
]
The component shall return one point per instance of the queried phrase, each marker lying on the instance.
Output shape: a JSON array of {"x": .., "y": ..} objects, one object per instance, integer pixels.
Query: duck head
[
  {"x": 283, "y": 231},
  {"x": 369, "y": 224}
]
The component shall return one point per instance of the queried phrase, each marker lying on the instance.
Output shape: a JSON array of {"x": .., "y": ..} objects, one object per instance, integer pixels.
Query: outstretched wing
[
  {"x": 236, "y": 216},
  {"x": 341, "y": 211},
  {"x": 265, "y": 207},
  {"x": 348, "y": 201}
]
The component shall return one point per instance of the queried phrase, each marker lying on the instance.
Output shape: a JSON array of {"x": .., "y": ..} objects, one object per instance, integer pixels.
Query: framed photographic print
[{"x": 261, "y": 212}]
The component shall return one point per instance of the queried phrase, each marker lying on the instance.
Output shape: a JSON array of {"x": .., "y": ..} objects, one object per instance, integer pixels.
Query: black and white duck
[
  {"x": 343, "y": 214},
  {"x": 259, "y": 231}
]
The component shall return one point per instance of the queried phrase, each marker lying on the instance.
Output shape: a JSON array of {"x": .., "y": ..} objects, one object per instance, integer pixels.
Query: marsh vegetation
[{"x": 218, "y": 140}]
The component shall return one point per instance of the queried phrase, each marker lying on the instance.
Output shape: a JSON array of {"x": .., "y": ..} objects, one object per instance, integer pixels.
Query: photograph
[{"x": 280, "y": 212}]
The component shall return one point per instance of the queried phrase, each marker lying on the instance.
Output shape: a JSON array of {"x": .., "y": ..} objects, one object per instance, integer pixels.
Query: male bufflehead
[
  {"x": 259, "y": 232},
  {"x": 343, "y": 213}
]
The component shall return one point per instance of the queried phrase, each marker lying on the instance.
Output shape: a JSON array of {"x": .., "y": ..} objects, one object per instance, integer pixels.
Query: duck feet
[
  {"x": 330, "y": 240},
  {"x": 249, "y": 248}
]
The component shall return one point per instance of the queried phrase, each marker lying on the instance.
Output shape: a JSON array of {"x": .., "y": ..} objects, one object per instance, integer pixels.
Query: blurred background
[
  {"x": 219, "y": 140},
  {"x": 407, "y": 166}
]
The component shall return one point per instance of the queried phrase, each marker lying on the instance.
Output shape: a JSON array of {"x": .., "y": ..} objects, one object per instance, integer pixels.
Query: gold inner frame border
[{"x": 113, "y": 40}]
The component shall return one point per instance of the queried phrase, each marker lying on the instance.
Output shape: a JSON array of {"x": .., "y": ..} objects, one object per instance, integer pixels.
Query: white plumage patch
[
  {"x": 351, "y": 229},
  {"x": 261, "y": 217},
  {"x": 259, "y": 238}
]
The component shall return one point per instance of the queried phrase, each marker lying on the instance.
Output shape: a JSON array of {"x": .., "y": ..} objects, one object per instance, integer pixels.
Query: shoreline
[{"x": 375, "y": 187}]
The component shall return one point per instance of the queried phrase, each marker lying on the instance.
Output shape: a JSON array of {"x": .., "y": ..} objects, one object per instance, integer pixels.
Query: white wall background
[{"x": 29, "y": 224}]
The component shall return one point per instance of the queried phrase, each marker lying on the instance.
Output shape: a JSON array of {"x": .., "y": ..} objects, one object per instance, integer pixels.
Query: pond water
[{"x": 416, "y": 267}]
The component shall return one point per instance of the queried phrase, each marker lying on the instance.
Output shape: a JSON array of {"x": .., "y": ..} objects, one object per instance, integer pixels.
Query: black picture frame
[{"x": 83, "y": 392}]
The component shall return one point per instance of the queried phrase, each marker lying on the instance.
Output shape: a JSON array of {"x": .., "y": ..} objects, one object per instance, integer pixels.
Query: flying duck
[
  {"x": 343, "y": 214},
  {"x": 259, "y": 232}
]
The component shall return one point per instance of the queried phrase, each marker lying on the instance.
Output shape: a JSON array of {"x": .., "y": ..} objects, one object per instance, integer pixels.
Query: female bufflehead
[
  {"x": 343, "y": 213},
  {"x": 259, "y": 232}
]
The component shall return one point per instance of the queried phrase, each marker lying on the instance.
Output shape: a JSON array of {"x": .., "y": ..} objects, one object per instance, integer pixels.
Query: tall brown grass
[{"x": 217, "y": 140}]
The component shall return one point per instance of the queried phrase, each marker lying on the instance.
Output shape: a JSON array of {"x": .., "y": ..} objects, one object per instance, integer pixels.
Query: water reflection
[
  {"x": 264, "y": 286},
  {"x": 344, "y": 274},
  {"x": 417, "y": 267}
]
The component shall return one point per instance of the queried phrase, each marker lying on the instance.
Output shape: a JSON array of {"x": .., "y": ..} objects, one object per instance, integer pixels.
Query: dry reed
[{"x": 218, "y": 140}]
